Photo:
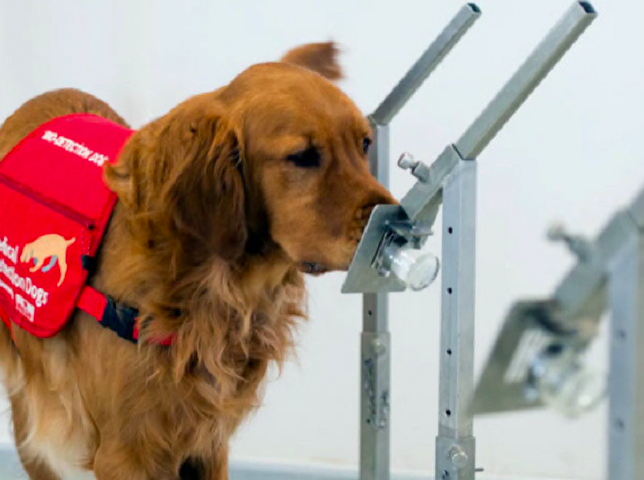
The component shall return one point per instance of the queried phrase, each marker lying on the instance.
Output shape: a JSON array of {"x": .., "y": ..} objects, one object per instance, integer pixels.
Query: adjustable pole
[
  {"x": 375, "y": 348},
  {"x": 455, "y": 443}
]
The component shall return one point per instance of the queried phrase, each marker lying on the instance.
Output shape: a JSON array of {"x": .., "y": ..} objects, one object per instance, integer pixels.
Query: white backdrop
[{"x": 567, "y": 155}]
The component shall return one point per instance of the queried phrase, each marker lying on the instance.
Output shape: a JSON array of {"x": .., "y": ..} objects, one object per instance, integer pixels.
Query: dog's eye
[
  {"x": 366, "y": 143},
  {"x": 309, "y": 158}
]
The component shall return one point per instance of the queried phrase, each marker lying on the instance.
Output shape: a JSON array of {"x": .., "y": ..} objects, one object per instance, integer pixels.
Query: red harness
[{"x": 54, "y": 212}]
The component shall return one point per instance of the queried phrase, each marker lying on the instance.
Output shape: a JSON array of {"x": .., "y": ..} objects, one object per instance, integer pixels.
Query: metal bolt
[
  {"x": 407, "y": 162},
  {"x": 418, "y": 169},
  {"x": 458, "y": 457},
  {"x": 379, "y": 347}
]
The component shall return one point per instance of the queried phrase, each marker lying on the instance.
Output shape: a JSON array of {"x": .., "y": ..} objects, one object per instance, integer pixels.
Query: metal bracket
[
  {"x": 570, "y": 317},
  {"x": 362, "y": 276},
  {"x": 422, "y": 202}
]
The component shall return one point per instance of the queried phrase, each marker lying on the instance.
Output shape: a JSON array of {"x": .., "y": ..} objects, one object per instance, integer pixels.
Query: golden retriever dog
[{"x": 223, "y": 204}]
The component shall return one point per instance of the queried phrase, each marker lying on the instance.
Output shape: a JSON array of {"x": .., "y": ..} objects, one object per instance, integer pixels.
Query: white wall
[{"x": 569, "y": 154}]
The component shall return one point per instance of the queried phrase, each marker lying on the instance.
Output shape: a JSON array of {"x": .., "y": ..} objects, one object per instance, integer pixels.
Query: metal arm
[
  {"x": 526, "y": 79},
  {"x": 426, "y": 64},
  {"x": 421, "y": 203},
  {"x": 569, "y": 318}
]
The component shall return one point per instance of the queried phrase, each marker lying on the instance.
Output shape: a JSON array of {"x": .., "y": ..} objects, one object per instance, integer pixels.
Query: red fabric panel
[
  {"x": 92, "y": 302},
  {"x": 55, "y": 208}
]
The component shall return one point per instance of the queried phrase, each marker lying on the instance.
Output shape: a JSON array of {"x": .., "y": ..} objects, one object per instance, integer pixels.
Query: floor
[{"x": 10, "y": 470}]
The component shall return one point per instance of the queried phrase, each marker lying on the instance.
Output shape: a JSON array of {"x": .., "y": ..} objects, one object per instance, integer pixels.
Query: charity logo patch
[{"x": 47, "y": 251}]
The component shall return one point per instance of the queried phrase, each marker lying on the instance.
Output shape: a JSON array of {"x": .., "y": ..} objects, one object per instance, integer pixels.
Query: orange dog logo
[{"x": 52, "y": 247}]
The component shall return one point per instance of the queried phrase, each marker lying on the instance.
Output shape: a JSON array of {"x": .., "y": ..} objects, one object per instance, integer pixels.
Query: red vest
[{"x": 54, "y": 209}]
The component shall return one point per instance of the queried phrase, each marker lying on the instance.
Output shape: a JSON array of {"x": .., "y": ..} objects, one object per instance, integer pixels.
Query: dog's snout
[
  {"x": 364, "y": 212},
  {"x": 379, "y": 195},
  {"x": 372, "y": 194},
  {"x": 375, "y": 195}
]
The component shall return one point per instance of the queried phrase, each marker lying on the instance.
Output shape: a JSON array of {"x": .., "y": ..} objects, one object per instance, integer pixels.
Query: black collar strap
[{"x": 116, "y": 316}]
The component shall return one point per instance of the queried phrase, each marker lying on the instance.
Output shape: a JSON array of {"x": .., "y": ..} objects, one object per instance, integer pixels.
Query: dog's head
[{"x": 275, "y": 160}]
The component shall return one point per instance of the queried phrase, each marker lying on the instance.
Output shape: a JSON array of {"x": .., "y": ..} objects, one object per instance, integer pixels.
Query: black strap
[{"x": 120, "y": 319}]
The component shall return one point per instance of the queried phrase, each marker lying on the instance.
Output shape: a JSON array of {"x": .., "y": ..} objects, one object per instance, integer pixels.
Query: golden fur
[{"x": 216, "y": 221}]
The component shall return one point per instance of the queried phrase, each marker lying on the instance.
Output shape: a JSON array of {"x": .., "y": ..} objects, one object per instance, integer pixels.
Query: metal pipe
[
  {"x": 379, "y": 166},
  {"x": 374, "y": 350},
  {"x": 422, "y": 201},
  {"x": 626, "y": 387},
  {"x": 526, "y": 79},
  {"x": 428, "y": 61},
  {"x": 455, "y": 443}
]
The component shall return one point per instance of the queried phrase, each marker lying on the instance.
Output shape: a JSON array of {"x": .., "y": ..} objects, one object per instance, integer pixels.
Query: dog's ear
[
  {"x": 180, "y": 178},
  {"x": 207, "y": 193},
  {"x": 128, "y": 177},
  {"x": 319, "y": 57}
]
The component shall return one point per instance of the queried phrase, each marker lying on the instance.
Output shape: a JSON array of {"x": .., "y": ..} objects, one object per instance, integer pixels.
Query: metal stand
[
  {"x": 626, "y": 380},
  {"x": 455, "y": 444},
  {"x": 608, "y": 275},
  {"x": 375, "y": 346},
  {"x": 450, "y": 180}
]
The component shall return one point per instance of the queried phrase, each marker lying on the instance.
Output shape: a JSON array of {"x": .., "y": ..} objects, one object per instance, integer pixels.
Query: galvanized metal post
[
  {"x": 533, "y": 70},
  {"x": 626, "y": 379},
  {"x": 426, "y": 64},
  {"x": 375, "y": 351},
  {"x": 455, "y": 444}
]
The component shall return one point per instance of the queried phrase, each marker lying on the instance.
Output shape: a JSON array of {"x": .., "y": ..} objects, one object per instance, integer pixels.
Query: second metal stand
[{"x": 626, "y": 388}]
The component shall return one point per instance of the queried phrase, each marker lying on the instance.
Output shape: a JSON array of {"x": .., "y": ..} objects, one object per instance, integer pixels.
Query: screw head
[
  {"x": 406, "y": 161},
  {"x": 379, "y": 347},
  {"x": 458, "y": 457}
]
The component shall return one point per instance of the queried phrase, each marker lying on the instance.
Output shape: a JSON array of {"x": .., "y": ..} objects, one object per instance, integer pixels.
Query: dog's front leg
[
  {"x": 36, "y": 468},
  {"x": 218, "y": 465}
]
